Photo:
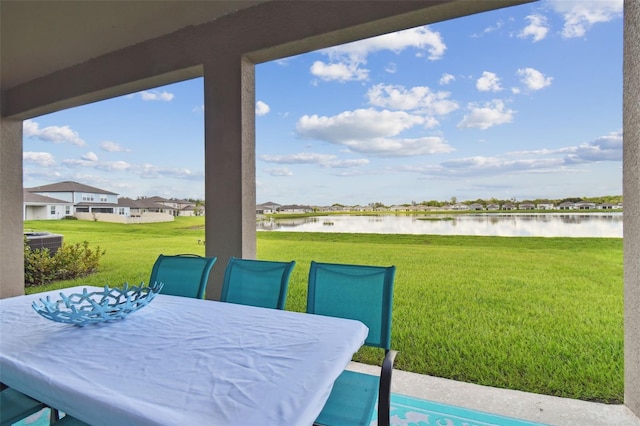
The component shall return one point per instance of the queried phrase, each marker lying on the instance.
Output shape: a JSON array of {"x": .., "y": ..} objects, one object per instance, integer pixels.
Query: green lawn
[{"x": 542, "y": 315}]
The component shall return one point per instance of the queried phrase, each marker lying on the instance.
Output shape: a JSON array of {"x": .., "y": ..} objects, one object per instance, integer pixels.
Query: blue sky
[{"x": 523, "y": 102}]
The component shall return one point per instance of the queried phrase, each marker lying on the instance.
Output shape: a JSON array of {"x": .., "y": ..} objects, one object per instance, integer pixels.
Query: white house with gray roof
[
  {"x": 83, "y": 198},
  {"x": 41, "y": 207}
]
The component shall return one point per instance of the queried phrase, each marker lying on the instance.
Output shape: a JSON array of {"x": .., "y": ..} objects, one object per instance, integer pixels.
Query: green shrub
[{"x": 70, "y": 261}]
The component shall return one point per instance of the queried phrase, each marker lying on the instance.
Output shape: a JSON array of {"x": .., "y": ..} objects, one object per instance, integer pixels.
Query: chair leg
[
  {"x": 384, "y": 393},
  {"x": 54, "y": 416}
]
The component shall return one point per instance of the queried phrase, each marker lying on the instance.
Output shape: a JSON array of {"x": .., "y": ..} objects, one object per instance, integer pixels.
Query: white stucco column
[
  {"x": 631, "y": 192},
  {"x": 230, "y": 175},
  {"x": 11, "y": 236}
]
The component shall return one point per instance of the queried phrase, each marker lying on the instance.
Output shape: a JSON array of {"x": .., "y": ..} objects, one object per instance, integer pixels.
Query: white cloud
[
  {"x": 490, "y": 114},
  {"x": 391, "y": 68},
  {"x": 156, "y": 95},
  {"x": 494, "y": 165},
  {"x": 78, "y": 162},
  {"x": 446, "y": 79},
  {"x": 488, "y": 82},
  {"x": 345, "y": 61},
  {"x": 386, "y": 147},
  {"x": 324, "y": 160},
  {"x": 279, "y": 171},
  {"x": 537, "y": 28},
  {"x": 55, "y": 134},
  {"x": 420, "y": 38},
  {"x": 346, "y": 164},
  {"x": 419, "y": 98},
  {"x": 358, "y": 124},
  {"x": 43, "y": 159},
  {"x": 110, "y": 146},
  {"x": 198, "y": 109},
  {"x": 534, "y": 79},
  {"x": 115, "y": 166},
  {"x": 499, "y": 24},
  {"x": 91, "y": 161},
  {"x": 339, "y": 71},
  {"x": 150, "y": 171},
  {"x": 603, "y": 148},
  {"x": 299, "y": 158},
  {"x": 262, "y": 108},
  {"x": 580, "y": 16},
  {"x": 90, "y": 156},
  {"x": 368, "y": 131},
  {"x": 486, "y": 166}
]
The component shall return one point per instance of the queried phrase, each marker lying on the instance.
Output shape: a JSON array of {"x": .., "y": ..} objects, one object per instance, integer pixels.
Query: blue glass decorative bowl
[{"x": 93, "y": 307}]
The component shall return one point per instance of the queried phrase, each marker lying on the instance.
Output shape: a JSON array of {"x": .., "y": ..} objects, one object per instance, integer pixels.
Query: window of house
[
  {"x": 103, "y": 198},
  {"x": 67, "y": 210},
  {"x": 53, "y": 210},
  {"x": 87, "y": 197}
]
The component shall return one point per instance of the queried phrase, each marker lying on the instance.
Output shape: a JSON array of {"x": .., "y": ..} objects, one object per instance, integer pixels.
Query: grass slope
[{"x": 542, "y": 315}]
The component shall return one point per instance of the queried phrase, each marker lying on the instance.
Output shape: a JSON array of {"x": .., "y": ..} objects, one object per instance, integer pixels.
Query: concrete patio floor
[{"x": 545, "y": 409}]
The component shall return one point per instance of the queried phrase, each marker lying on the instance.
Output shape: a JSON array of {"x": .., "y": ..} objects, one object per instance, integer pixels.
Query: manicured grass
[{"x": 542, "y": 315}]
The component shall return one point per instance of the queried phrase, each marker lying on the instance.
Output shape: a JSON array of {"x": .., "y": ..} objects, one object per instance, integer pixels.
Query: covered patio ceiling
[{"x": 40, "y": 37}]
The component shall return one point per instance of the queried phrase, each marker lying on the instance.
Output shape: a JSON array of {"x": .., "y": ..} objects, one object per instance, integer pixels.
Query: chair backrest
[
  {"x": 260, "y": 283},
  {"x": 360, "y": 292},
  {"x": 182, "y": 274}
]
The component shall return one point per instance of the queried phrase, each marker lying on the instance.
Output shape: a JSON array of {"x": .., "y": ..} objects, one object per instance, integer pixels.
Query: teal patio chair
[
  {"x": 260, "y": 283},
  {"x": 16, "y": 406},
  {"x": 183, "y": 274},
  {"x": 364, "y": 293}
]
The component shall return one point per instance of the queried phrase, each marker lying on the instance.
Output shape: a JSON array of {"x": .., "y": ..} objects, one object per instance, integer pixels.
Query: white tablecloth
[{"x": 178, "y": 361}]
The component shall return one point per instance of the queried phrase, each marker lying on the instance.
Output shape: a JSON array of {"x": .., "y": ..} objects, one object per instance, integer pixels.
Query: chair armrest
[{"x": 384, "y": 393}]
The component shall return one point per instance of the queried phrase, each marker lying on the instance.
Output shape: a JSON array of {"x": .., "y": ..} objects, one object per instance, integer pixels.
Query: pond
[{"x": 602, "y": 225}]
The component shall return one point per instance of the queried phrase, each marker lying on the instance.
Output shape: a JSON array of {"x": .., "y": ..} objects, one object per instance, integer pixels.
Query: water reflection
[{"x": 605, "y": 225}]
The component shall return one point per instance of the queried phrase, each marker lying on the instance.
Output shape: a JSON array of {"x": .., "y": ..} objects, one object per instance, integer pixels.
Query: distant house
[
  {"x": 584, "y": 205},
  {"x": 176, "y": 207},
  {"x": 191, "y": 210},
  {"x": 41, "y": 207},
  {"x": 136, "y": 208},
  {"x": 476, "y": 206},
  {"x": 295, "y": 209},
  {"x": 526, "y": 206},
  {"x": 79, "y": 197},
  {"x": 57, "y": 200},
  {"x": 567, "y": 205},
  {"x": 609, "y": 206},
  {"x": 493, "y": 206},
  {"x": 545, "y": 206},
  {"x": 460, "y": 206},
  {"x": 267, "y": 208},
  {"x": 157, "y": 205},
  {"x": 509, "y": 206}
]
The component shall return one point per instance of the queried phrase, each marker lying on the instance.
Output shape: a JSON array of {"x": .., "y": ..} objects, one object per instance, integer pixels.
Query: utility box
[{"x": 40, "y": 240}]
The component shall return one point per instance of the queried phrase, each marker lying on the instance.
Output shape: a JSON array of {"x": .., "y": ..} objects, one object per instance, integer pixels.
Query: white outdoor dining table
[{"x": 178, "y": 361}]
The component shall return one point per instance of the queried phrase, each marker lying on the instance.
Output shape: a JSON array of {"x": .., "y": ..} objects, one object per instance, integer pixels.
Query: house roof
[
  {"x": 69, "y": 186},
  {"x": 143, "y": 203},
  {"x": 30, "y": 197}
]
